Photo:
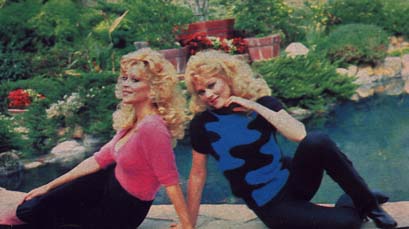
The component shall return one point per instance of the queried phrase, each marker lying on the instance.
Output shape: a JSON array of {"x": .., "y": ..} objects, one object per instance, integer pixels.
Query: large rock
[
  {"x": 393, "y": 63},
  {"x": 405, "y": 67},
  {"x": 406, "y": 87},
  {"x": 91, "y": 143},
  {"x": 296, "y": 49},
  {"x": 365, "y": 76},
  {"x": 352, "y": 70},
  {"x": 11, "y": 170},
  {"x": 300, "y": 113},
  {"x": 394, "y": 87},
  {"x": 365, "y": 92},
  {"x": 342, "y": 71},
  {"x": 67, "y": 154}
]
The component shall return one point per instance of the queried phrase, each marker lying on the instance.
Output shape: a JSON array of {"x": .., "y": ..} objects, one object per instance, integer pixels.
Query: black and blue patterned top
[{"x": 245, "y": 147}]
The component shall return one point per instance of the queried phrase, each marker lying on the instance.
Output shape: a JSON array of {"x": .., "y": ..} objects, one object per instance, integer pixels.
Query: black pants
[
  {"x": 91, "y": 202},
  {"x": 292, "y": 207}
]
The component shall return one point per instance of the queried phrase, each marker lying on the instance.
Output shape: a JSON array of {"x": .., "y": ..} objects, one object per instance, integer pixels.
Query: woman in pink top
[{"x": 115, "y": 187}]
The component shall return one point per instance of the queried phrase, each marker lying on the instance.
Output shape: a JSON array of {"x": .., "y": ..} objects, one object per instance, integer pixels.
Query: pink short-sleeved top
[{"x": 145, "y": 161}]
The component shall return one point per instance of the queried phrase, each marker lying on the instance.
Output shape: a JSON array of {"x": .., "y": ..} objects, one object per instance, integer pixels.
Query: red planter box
[
  {"x": 217, "y": 28},
  {"x": 264, "y": 48},
  {"x": 178, "y": 57}
]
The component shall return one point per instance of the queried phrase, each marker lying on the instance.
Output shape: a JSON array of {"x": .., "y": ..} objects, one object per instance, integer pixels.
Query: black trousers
[
  {"x": 91, "y": 202},
  {"x": 292, "y": 207}
]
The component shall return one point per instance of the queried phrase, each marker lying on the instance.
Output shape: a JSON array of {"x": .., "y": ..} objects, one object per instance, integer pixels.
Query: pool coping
[{"x": 213, "y": 216}]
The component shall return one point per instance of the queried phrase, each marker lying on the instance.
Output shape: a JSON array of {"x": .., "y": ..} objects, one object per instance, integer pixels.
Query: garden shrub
[
  {"x": 265, "y": 17},
  {"x": 399, "y": 52},
  {"x": 96, "y": 95},
  {"x": 9, "y": 140},
  {"x": 89, "y": 103},
  {"x": 42, "y": 132},
  {"x": 17, "y": 40},
  {"x": 96, "y": 115},
  {"x": 396, "y": 17},
  {"x": 353, "y": 11},
  {"x": 61, "y": 28},
  {"x": 51, "y": 88},
  {"x": 57, "y": 22},
  {"x": 151, "y": 21},
  {"x": 356, "y": 44},
  {"x": 306, "y": 81}
]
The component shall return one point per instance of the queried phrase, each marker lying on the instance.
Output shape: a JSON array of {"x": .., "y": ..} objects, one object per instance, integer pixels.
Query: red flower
[
  {"x": 21, "y": 98},
  {"x": 199, "y": 41}
]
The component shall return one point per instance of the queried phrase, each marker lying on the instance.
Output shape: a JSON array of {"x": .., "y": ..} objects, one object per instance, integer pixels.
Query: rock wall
[{"x": 391, "y": 77}]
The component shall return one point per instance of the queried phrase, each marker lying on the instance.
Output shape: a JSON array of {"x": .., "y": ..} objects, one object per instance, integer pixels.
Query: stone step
[{"x": 239, "y": 216}]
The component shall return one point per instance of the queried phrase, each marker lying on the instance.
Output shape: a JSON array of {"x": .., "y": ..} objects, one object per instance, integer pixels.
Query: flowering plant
[
  {"x": 22, "y": 98},
  {"x": 66, "y": 107},
  {"x": 200, "y": 41}
]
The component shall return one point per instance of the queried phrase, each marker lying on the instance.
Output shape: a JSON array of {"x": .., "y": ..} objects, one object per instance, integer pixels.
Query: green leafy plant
[
  {"x": 396, "y": 17},
  {"x": 51, "y": 88},
  {"x": 352, "y": 11},
  {"x": 356, "y": 44},
  {"x": 89, "y": 103},
  {"x": 8, "y": 138},
  {"x": 151, "y": 21},
  {"x": 306, "y": 81},
  {"x": 399, "y": 52},
  {"x": 17, "y": 40},
  {"x": 42, "y": 133},
  {"x": 263, "y": 17}
]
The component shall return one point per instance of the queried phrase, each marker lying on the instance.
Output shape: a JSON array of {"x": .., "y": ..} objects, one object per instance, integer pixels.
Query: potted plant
[
  {"x": 178, "y": 57},
  {"x": 200, "y": 41},
  {"x": 218, "y": 28},
  {"x": 263, "y": 48},
  {"x": 20, "y": 99}
]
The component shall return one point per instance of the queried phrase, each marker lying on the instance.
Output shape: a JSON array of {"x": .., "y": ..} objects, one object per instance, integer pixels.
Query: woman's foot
[
  {"x": 381, "y": 218},
  {"x": 345, "y": 200}
]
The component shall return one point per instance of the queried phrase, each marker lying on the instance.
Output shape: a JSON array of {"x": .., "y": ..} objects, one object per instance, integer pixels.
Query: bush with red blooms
[
  {"x": 200, "y": 41},
  {"x": 20, "y": 98}
]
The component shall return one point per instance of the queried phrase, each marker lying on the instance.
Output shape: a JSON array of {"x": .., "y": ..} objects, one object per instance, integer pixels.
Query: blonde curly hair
[
  {"x": 164, "y": 92},
  {"x": 237, "y": 73}
]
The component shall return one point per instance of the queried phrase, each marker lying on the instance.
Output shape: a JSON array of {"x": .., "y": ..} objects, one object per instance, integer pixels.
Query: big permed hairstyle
[
  {"x": 164, "y": 92},
  {"x": 237, "y": 73}
]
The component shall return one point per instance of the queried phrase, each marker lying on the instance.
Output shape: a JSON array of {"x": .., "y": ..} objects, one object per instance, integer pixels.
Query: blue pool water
[{"x": 373, "y": 133}]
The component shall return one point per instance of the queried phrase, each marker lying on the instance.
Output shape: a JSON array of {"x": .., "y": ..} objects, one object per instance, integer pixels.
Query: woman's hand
[
  {"x": 284, "y": 122},
  {"x": 244, "y": 104},
  {"x": 36, "y": 192},
  {"x": 179, "y": 226}
]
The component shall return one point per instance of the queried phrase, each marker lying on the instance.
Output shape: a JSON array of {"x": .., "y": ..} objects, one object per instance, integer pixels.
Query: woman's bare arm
[
  {"x": 197, "y": 180},
  {"x": 86, "y": 167},
  {"x": 175, "y": 195},
  {"x": 287, "y": 125}
]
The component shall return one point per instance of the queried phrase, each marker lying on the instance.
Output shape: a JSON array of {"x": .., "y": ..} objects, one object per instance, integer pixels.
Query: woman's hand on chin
[{"x": 239, "y": 104}]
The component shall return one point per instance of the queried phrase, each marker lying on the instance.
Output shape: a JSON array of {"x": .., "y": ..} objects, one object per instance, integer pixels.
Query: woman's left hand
[
  {"x": 179, "y": 226},
  {"x": 37, "y": 192},
  {"x": 244, "y": 104}
]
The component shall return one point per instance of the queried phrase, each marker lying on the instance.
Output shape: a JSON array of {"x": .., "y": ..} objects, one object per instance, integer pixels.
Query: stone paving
[{"x": 240, "y": 217}]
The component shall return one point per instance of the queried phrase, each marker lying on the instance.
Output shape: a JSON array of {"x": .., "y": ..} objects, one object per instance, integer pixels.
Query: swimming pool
[{"x": 374, "y": 133}]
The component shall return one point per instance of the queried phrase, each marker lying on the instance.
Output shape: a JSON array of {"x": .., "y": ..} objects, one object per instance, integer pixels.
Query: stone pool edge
[{"x": 213, "y": 216}]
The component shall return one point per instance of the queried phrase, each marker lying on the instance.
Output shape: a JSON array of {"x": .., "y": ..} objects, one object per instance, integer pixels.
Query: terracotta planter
[
  {"x": 263, "y": 48},
  {"x": 218, "y": 28},
  {"x": 178, "y": 57}
]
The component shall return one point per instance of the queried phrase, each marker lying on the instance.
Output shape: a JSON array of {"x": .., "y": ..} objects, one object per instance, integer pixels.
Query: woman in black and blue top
[{"x": 236, "y": 121}]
